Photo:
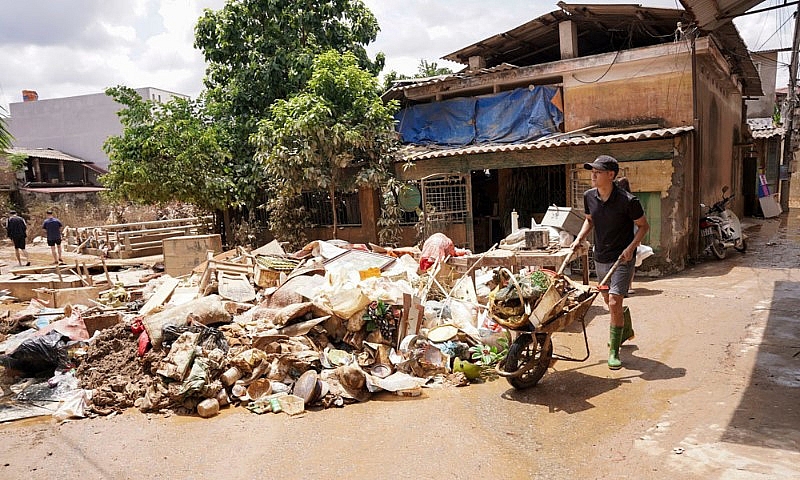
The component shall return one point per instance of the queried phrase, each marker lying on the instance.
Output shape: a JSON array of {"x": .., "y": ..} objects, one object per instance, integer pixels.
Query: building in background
[{"x": 77, "y": 126}]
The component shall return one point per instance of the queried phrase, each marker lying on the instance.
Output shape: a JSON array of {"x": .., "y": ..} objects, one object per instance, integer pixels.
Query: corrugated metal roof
[
  {"x": 764, "y": 128},
  {"x": 602, "y": 29},
  {"x": 711, "y": 14},
  {"x": 401, "y": 85},
  {"x": 735, "y": 51},
  {"x": 424, "y": 152},
  {"x": 46, "y": 153}
]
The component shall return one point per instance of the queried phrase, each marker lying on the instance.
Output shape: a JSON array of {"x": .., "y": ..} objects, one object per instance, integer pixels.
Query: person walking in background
[
  {"x": 17, "y": 231},
  {"x": 53, "y": 226},
  {"x": 612, "y": 213}
]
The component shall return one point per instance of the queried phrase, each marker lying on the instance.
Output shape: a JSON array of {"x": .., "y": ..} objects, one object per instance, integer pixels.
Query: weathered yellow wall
[
  {"x": 664, "y": 99},
  {"x": 720, "y": 112}
]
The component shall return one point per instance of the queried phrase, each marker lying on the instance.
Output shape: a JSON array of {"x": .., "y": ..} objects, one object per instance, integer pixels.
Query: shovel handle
[
  {"x": 610, "y": 272},
  {"x": 566, "y": 260}
]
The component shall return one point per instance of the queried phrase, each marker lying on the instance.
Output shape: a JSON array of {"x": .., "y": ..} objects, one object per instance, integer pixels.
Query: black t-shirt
[
  {"x": 16, "y": 227},
  {"x": 613, "y": 222}
]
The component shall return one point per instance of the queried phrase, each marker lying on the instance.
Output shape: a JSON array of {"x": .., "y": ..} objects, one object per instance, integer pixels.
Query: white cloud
[{"x": 83, "y": 46}]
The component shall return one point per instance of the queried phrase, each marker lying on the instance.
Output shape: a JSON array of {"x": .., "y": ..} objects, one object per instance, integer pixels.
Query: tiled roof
[
  {"x": 764, "y": 128},
  {"x": 46, "y": 153},
  {"x": 424, "y": 152}
]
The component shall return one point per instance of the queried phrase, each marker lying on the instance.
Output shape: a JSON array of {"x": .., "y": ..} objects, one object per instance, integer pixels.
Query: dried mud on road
[{"x": 708, "y": 389}]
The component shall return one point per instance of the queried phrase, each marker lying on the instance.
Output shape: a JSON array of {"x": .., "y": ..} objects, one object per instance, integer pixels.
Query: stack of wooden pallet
[{"x": 130, "y": 240}]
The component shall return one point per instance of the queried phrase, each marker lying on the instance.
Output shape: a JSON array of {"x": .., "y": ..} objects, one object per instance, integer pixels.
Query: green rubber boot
[
  {"x": 614, "y": 339},
  {"x": 627, "y": 329}
]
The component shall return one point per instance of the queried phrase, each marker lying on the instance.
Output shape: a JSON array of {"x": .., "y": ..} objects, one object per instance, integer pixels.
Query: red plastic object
[{"x": 144, "y": 343}]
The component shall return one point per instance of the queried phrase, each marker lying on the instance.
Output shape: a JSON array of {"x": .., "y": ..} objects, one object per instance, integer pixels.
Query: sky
[{"x": 63, "y": 48}]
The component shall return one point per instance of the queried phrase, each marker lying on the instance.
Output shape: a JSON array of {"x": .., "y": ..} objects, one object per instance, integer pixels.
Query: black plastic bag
[
  {"x": 44, "y": 353},
  {"x": 210, "y": 337}
]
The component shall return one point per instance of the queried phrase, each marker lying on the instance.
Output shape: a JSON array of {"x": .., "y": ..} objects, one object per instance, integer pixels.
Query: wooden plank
[
  {"x": 57, "y": 298},
  {"x": 160, "y": 295},
  {"x": 156, "y": 223},
  {"x": 183, "y": 254}
]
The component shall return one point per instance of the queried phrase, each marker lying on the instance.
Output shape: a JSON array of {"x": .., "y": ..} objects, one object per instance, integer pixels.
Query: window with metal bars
[
  {"x": 318, "y": 205},
  {"x": 445, "y": 198}
]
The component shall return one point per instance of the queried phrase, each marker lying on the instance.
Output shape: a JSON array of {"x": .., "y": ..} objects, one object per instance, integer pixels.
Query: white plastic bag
[{"x": 642, "y": 252}]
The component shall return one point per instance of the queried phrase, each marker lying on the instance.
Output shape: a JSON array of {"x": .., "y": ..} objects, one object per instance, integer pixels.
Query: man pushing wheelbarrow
[{"x": 612, "y": 213}]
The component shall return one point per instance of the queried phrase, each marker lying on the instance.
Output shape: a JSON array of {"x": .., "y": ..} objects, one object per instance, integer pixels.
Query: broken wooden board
[
  {"x": 56, "y": 298},
  {"x": 160, "y": 296},
  {"x": 182, "y": 254},
  {"x": 101, "y": 321},
  {"x": 23, "y": 287},
  {"x": 236, "y": 287}
]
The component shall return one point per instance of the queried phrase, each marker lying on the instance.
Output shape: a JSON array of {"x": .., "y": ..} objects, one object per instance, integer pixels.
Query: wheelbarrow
[{"x": 531, "y": 353}]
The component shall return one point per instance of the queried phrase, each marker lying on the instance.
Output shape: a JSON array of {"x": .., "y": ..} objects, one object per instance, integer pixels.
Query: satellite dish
[{"x": 409, "y": 198}]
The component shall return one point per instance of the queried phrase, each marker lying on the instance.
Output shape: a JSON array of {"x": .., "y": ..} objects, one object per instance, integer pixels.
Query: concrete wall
[
  {"x": 77, "y": 126},
  {"x": 767, "y": 65},
  {"x": 620, "y": 98}
]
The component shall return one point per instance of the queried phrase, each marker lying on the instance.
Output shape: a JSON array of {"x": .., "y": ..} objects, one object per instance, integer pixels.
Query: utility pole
[{"x": 791, "y": 99}]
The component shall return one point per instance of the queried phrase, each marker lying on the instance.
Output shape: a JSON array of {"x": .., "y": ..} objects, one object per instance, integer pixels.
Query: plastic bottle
[
  {"x": 208, "y": 407},
  {"x": 230, "y": 376}
]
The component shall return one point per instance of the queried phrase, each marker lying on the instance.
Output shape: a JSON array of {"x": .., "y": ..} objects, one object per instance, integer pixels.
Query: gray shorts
[{"x": 620, "y": 280}]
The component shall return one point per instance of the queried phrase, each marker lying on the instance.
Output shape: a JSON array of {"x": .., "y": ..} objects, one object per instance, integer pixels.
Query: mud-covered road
[{"x": 709, "y": 390}]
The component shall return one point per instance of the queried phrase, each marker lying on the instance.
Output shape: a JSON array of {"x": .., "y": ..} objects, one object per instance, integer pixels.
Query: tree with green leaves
[
  {"x": 5, "y": 135},
  {"x": 336, "y": 135},
  {"x": 259, "y": 51},
  {"x": 167, "y": 152},
  {"x": 425, "y": 69}
]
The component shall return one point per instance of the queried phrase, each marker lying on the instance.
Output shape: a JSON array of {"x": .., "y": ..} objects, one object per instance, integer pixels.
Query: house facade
[
  {"x": 47, "y": 175},
  {"x": 667, "y": 103},
  {"x": 77, "y": 126}
]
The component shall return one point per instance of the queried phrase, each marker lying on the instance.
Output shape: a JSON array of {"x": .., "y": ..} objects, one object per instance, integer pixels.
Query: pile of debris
[{"x": 326, "y": 326}]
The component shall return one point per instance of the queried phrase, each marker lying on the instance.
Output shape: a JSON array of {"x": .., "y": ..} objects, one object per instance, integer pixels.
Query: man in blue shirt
[
  {"x": 53, "y": 226},
  {"x": 612, "y": 213}
]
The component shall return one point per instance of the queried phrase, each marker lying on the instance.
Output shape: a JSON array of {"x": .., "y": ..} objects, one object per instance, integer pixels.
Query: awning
[{"x": 424, "y": 152}]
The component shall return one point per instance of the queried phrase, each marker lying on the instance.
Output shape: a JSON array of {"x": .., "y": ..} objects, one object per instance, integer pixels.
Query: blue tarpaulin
[{"x": 509, "y": 117}]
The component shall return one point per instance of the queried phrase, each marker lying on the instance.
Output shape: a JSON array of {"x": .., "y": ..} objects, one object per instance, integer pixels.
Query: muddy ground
[{"x": 709, "y": 390}]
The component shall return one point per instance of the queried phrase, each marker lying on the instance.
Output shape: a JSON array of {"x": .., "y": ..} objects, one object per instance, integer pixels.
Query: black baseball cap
[{"x": 603, "y": 162}]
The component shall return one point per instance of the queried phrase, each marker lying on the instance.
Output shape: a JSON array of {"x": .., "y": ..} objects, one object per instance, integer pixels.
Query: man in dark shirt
[
  {"x": 53, "y": 226},
  {"x": 612, "y": 213},
  {"x": 17, "y": 231}
]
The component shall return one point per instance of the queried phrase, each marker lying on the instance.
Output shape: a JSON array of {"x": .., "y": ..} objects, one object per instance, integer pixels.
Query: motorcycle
[{"x": 720, "y": 228}]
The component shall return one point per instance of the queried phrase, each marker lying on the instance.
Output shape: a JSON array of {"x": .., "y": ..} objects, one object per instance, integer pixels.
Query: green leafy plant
[
  {"x": 17, "y": 161},
  {"x": 489, "y": 354}
]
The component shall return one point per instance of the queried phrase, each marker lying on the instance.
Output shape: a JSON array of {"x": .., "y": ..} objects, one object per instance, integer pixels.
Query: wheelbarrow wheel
[{"x": 533, "y": 355}]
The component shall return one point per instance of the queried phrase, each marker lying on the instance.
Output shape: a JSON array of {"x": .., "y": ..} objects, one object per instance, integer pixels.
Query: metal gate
[{"x": 446, "y": 202}]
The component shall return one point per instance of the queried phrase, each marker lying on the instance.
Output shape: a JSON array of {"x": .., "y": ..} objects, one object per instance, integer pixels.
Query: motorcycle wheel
[
  {"x": 741, "y": 245},
  {"x": 716, "y": 247},
  {"x": 524, "y": 352}
]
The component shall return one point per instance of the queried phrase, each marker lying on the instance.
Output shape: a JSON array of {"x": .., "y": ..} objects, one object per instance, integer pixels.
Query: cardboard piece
[{"x": 770, "y": 207}]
